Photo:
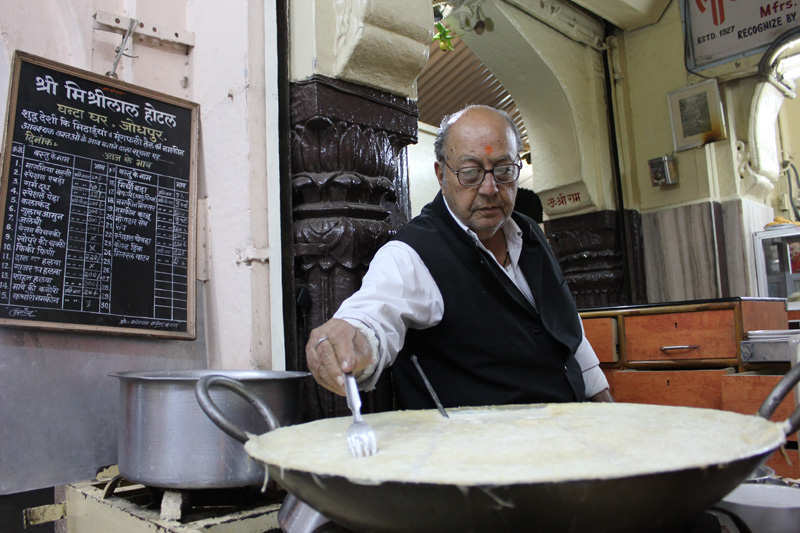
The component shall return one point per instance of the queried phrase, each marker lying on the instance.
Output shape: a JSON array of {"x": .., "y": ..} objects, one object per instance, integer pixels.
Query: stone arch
[{"x": 558, "y": 85}]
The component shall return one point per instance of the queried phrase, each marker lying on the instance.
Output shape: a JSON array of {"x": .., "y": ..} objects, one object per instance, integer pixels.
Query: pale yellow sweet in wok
[{"x": 522, "y": 444}]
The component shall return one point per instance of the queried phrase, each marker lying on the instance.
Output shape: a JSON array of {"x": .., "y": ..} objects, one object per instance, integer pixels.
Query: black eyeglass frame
[{"x": 457, "y": 172}]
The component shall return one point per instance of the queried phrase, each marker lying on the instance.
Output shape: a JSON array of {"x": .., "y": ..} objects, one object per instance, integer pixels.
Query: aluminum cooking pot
[
  {"x": 765, "y": 508},
  {"x": 165, "y": 440},
  {"x": 674, "y": 474}
]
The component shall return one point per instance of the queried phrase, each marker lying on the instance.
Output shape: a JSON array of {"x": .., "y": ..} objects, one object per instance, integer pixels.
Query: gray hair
[{"x": 449, "y": 120}]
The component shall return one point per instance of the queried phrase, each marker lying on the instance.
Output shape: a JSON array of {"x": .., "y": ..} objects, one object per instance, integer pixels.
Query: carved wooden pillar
[
  {"x": 599, "y": 270},
  {"x": 349, "y": 195}
]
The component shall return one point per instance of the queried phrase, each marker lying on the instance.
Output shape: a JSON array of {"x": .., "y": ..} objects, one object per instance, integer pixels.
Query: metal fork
[{"x": 360, "y": 436}]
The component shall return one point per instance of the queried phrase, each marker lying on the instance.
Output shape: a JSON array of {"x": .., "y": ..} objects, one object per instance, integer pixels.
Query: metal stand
[{"x": 296, "y": 516}]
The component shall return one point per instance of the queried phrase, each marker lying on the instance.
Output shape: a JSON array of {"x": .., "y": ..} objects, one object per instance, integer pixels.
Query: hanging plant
[
  {"x": 465, "y": 15},
  {"x": 444, "y": 36}
]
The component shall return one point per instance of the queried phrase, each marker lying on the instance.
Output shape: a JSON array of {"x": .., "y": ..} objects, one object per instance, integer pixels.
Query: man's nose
[{"x": 488, "y": 186}]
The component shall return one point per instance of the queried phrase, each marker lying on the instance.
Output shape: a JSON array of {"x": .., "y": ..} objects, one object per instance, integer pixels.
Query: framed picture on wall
[{"x": 695, "y": 113}]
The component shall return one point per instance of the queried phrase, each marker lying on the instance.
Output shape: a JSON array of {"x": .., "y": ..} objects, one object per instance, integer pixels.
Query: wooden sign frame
[{"x": 98, "y": 204}]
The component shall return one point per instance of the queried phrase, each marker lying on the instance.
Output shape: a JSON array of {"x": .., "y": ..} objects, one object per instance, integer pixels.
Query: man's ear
[{"x": 437, "y": 168}]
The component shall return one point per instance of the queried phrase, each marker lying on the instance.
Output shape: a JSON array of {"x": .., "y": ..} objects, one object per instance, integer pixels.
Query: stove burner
[{"x": 189, "y": 505}]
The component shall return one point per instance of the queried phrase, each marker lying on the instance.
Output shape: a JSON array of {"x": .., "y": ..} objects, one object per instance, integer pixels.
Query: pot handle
[
  {"x": 212, "y": 411},
  {"x": 775, "y": 397}
]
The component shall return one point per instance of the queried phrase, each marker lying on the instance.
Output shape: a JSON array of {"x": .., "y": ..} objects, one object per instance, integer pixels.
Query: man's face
[{"x": 479, "y": 138}]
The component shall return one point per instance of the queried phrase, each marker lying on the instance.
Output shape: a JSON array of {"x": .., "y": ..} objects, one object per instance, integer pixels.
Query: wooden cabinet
[
  {"x": 714, "y": 389},
  {"x": 689, "y": 355},
  {"x": 690, "y": 335}
]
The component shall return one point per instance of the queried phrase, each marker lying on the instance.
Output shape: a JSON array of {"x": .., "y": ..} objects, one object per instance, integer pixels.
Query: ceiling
[{"x": 454, "y": 79}]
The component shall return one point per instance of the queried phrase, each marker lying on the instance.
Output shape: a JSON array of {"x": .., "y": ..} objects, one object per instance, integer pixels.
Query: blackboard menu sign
[{"x": 98, "y": 203}]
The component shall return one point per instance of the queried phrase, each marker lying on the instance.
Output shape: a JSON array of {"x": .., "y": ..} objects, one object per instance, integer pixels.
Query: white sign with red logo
[{"x": 722, "y": 29}]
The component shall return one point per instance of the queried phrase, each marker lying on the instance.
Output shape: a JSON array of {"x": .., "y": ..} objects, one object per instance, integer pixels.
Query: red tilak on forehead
[{"x": 488, "y": 149}]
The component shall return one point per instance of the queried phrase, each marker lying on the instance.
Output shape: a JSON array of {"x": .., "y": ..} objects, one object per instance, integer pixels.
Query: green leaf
[{"x": 444, "y": 36}]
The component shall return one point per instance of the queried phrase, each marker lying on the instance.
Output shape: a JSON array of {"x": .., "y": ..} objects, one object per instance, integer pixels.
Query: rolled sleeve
[
  {"x": 593, "y": 377},
  {"x": 397, "y": 292}
]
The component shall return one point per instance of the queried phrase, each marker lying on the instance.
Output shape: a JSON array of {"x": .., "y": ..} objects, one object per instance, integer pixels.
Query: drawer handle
[{"x": 680, "y": 347}]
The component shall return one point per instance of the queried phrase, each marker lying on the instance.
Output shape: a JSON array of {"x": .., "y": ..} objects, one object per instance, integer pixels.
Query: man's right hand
[{"x": 334, "y": 348}]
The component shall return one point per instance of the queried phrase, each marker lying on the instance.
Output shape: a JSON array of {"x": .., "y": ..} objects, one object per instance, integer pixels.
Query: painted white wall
[
  {"x": 650, "y": 66},
  {"x": 224, "y": 72},
  {"x": 654, "y": 66},
  {"x": 59, "y": 415},
  {"x": 231, "y": 169},
  {"x": 422, "y": 182}
]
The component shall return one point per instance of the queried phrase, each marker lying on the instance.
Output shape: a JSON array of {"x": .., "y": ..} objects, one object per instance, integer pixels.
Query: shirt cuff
[
  {"x": 594, "y": 381},
  {"x": 367, "y": 378}
]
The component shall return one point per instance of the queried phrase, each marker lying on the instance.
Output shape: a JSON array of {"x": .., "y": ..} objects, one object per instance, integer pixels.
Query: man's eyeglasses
[{"x": 474, "y": 176}]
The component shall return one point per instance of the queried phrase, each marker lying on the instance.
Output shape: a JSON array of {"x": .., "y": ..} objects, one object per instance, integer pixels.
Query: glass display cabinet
[{"x": 777, "y": 254}]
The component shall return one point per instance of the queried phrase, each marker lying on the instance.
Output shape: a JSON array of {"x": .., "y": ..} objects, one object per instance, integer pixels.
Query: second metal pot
[
  {"x": 765, "y": 508},
  {"x": 165, "y": 439}
]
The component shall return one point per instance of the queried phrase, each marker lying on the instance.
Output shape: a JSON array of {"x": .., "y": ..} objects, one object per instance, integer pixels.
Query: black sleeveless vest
[{"x": 492, "y": 346}]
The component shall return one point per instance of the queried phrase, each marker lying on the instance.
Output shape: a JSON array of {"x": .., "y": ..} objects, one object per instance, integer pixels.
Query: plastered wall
[
  {"x": 653, "y": 62},
  {"x": 649, "y": 64},
  {"x": 422, "y": 182},
  {"x": 59, "y": 406},
  {"x": 224, "y": 72}
]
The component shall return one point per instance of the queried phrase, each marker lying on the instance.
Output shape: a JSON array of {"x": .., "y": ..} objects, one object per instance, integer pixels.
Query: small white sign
[
  {"x": 566, "y": 199},
  {"x": 722, "y": 29}
]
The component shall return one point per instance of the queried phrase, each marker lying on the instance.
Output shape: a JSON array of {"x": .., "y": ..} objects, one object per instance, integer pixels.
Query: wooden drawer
[
  {"x": 710, "y": 335},
  {"x": 602, "y": 335},
  {"x": 716, "y": 389},
  {"x": 744, "y": 393},
  {"x": 761, "y": 314},
  {"x": 692, "y": 388}
]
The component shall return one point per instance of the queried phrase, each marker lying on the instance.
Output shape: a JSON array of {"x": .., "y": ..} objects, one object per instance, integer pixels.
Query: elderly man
[{"x": 469, "y": 287}]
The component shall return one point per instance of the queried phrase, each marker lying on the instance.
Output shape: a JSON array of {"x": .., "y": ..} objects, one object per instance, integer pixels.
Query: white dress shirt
[{"x": 398, "y": 292}]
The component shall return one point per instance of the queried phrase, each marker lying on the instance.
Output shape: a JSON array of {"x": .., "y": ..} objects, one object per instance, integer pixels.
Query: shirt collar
[{"x": 510, "y": 228}]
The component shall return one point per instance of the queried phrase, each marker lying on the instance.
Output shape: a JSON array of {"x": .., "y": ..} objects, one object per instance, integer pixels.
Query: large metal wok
[{"x": 656, "y": 497}]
